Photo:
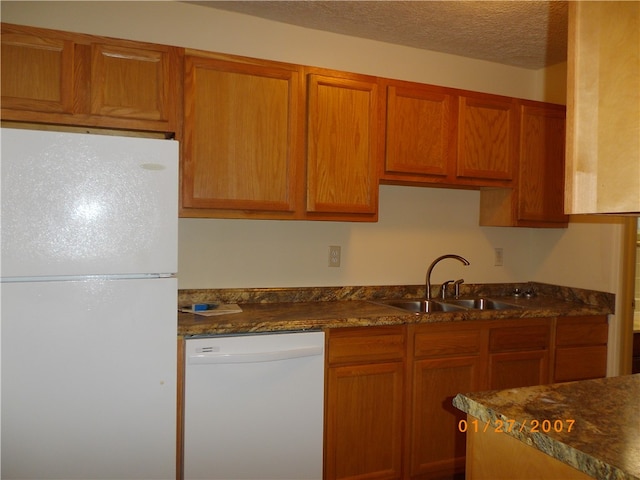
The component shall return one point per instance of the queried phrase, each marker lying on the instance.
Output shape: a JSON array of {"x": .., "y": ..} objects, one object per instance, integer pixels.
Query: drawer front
[
  {"x": 526, "y": 337},
  {"x": 367, "y": 344},
  {"x": 580, "y": 363},
  {"x": 582, "y": 331},
  {"x": 441, "y": 343}
]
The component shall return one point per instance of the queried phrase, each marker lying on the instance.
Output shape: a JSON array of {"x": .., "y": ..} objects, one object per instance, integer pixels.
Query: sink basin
[
  {"x": 424, "y": 306},
  {"x": 483, "y": 304}
]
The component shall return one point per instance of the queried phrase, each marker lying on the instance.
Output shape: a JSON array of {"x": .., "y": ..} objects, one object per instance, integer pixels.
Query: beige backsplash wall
[{"x": 416, "y": 224}]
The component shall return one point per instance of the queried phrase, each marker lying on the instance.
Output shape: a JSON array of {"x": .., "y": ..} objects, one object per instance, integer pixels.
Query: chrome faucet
[{"x": 434, "y": 263}]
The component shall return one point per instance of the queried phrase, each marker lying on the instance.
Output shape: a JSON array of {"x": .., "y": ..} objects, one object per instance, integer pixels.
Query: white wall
[{"x": 416, "y": 224}]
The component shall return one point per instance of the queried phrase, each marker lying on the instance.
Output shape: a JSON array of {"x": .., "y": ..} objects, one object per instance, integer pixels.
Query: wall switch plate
[
  {"x": 499, "y": 258},
  {"x": 334, "y": 255}
]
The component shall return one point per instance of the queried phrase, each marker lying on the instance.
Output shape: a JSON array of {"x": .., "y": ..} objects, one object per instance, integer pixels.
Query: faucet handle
[
  {"x": 443, "y": 289},
  {"x": 456, "y": 285}
]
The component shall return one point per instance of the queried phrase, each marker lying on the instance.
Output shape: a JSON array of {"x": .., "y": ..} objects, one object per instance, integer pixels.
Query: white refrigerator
[{"x": 88, "y": 306}]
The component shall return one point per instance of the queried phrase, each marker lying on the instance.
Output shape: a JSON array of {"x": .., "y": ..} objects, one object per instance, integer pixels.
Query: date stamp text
[{"x": 510, "y": 425}]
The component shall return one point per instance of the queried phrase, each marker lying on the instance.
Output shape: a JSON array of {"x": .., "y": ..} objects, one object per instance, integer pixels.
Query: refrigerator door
[
  {"x": 89, "y": 379},
  {"x": 77, "y": 204}
]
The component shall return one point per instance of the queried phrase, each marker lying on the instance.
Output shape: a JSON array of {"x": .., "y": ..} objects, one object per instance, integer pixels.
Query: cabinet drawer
[
  {"x": 437, "y": 342},
  {"x": 525, "y": 337},
  {"x": 367, "y": 344},
  {"x": 580, "y": 363},
  {"x": 582, "y": 331}
]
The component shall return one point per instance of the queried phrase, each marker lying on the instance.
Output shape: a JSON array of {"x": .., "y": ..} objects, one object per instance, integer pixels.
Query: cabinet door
[
  {"x": 37, "y": 72},
  {"x": 487, "y": 138},
  {"x": 446, "y": 361},
  {"x": 437, "y": 447},
  {"x": 364, "y": 421},
  {"x": 420, "y": 133},
  {"x": 134, "y": 82},
  {"x": 242, "y": 133},
  {"x": 342, "y": 146},
  {"x": 541, "y": 167},
  {"x": 518, "y": 369},
  {"x": 364, "y": 410}
]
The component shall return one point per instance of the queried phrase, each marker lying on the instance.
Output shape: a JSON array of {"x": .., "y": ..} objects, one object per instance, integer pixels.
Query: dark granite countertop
[
  {"x": 268, "y": 310},
  {"x": 604, "y": 438}
]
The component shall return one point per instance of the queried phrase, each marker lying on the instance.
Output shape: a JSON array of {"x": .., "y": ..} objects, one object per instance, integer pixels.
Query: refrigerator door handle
[{"x": 212, "y": 357}]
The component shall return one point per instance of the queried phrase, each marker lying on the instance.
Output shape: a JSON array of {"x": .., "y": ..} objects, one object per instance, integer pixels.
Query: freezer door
[
  {"x": 80, "y": 204},
  {"x": 89, "y": 379}
]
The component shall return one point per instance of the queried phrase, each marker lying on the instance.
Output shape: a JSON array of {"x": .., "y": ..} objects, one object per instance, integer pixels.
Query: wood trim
[
  {"x": 626, "y": 300},
  {"x": 180, "y": 411}
]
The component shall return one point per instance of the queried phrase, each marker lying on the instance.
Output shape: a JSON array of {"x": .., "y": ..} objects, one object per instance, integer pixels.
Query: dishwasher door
[{"x": 254, "y": 407}]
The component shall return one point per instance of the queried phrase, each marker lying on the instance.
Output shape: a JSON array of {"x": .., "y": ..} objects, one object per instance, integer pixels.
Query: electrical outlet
[
  {"x": 499, "y": 258},
  {"x": 334, "y": 255}
]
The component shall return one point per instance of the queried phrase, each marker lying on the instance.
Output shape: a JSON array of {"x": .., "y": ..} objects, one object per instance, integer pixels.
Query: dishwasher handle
[{"x": 212, "y": 357}]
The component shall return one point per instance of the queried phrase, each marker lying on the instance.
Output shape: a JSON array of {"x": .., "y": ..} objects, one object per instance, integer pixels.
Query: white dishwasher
[{"x": 254, "y": 407}]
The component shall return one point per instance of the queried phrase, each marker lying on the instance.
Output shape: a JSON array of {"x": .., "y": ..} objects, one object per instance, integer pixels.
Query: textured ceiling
[{"x": 529, "y": 34}]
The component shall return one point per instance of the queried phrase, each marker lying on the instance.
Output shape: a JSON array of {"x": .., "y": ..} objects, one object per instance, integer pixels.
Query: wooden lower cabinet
[
  {"x": 581, "y": 348},
  {"x": 519, "y": 354},
  {"x": 446, "y": 362},
  {"x": 519, "y": 369},
  {"x": 389, "y": 390},
  {"x": 364, "y": 413}
]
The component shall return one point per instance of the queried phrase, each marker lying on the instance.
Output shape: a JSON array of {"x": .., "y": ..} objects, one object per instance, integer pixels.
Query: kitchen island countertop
[{"x": 594, "y": 425}]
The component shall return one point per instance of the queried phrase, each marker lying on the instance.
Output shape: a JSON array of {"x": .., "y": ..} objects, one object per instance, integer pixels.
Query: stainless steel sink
[
  {"x": 424, "y": 306},
  {"x": 483, "y": 304}
]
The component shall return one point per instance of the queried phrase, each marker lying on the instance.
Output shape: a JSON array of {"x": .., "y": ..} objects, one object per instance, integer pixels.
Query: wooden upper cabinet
[
  {"x": 50, "y": 76},
  {"x": 541, "y": 164},
  {"x": 487, "y": 139},
  {"x": 420, "y": 133},
  {"x": 537, "y": 196},
  {"x": 457, "y": 138},
  {"x": 242, "y": 137},
  {"x": 343, "y": 146},
  {"x": 133, "y": 82},
  {"x": 37, "y": 71}
]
